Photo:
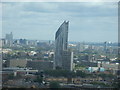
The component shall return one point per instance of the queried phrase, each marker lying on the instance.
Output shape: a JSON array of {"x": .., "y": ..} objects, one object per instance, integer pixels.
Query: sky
[{"x": 88, "y": 21}]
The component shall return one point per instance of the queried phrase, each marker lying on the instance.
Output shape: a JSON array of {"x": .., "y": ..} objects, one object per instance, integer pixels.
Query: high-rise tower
[
  {"x": 61, "y": 50},
  {"x": 9, "y": 39}
]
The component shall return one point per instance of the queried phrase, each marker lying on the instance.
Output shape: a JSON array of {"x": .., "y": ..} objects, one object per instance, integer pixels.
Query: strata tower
[
  {"x": 9, "y": 39},
  {"x": 63, "y": 57}
]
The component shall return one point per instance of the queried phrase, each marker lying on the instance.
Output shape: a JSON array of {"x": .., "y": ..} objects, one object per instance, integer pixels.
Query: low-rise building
[
  {"x": 112, "y": 67},
  {"x": 73, "y": 80},
  {"x": 16, "y": 62},
  {"x": 40, "y": 64}
]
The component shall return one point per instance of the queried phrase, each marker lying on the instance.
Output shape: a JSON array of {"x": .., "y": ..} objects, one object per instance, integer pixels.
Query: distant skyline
[{"x": 89, "y": 21}]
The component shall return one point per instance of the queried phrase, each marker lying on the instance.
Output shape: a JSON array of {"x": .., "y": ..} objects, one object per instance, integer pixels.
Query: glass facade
[{"x": 61, "y": 43}]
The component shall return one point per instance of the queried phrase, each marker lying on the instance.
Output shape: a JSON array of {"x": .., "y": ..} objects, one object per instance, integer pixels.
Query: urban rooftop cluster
[{"x": 59, "y": 63}]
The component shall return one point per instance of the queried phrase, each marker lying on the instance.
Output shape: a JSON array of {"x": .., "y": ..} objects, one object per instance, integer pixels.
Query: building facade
[
  {"x": 40, "y": 65},
  {"x": 16, "y": 63},
  {"x": 67, "y": 62},
  {"x": 62, "y": 55},
  {"x": 9, "y": 39}
]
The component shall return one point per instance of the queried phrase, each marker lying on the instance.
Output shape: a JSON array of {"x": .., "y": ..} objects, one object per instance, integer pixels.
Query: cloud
[
  {"x": 59, "y": 0},
  {"x": 41, "y": 20},
  {"x": 40, "y": 7}
]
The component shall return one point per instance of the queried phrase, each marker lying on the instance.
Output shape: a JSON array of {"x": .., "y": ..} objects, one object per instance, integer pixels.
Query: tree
[
  {"x": 11, "y": 76},
  {"x": 39, "y": 79},
  {"x": 54, "y": 84},
  {"x": 59, "y": 73},
  {"x": 81, "y": 74},
  {"x": 102, "y": 75},
  {"x": 116, "y": 83}
]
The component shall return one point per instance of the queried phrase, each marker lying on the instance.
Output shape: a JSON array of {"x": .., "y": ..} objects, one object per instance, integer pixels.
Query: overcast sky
[{"x": 89, "y": 21}]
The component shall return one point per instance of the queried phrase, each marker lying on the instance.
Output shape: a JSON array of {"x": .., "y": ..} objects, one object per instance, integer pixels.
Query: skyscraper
[
  {"x": 61, "y": 50},
  {"x": 105, "y": 47},
  {"x": 9, "y": 39}
]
